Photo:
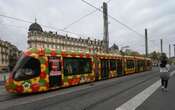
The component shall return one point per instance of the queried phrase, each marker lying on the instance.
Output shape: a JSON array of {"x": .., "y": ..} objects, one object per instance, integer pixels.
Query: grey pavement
[{"x": 161, "y": 100}]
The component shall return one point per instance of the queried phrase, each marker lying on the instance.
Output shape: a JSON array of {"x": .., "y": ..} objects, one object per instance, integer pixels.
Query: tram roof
[{"x": 49, "y": 51}]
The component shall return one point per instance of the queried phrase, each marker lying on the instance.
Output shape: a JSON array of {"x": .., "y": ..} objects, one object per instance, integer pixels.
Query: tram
[{"x": 43, "y": 69}]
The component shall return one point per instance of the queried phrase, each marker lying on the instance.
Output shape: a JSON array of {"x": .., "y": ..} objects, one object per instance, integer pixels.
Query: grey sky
[{"x": 156, "y": 15}]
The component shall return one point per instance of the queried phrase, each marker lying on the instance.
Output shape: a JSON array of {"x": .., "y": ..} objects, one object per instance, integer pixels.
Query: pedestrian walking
[{"x": 164, "y": 74}]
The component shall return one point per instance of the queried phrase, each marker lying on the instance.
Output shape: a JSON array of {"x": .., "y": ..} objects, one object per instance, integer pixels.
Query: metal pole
[
  {"x": 161, "y": 45},
  {"x": 169, "y": 50},
  {"x": 146, "y": 43},
  {"x": 106, "y": 35},
  {"x": 174, "y": 50}
]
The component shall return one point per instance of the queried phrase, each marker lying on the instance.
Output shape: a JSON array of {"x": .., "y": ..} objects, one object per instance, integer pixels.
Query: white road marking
[
  {"x": 137, "y": 100},
  {"x": 172, "y": 73}
]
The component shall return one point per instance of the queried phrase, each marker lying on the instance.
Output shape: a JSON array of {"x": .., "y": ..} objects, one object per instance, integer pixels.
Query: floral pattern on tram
[
  {"x": 36, "y": 84},
  {"x": 41, "y": 83},
  {"x": 74, "y": 75}
]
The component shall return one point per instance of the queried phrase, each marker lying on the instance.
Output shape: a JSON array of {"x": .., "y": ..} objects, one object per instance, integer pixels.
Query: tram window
[
  {"x": 130, "y": 64},
  {"x": 26, "y": 68},
  {"x": 74, "y": 66},
  {"x": 141, "y": 63},
  {"x": 112, "y": 65}
]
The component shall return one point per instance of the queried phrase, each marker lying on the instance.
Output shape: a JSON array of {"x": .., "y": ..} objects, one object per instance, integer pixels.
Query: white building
[
  {"x": 8, "y": 54},
  {"x": 38, "y": 38}
]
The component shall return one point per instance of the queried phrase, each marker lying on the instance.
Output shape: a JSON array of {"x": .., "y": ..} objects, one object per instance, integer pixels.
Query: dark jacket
[{"x": 163, "y": 63}]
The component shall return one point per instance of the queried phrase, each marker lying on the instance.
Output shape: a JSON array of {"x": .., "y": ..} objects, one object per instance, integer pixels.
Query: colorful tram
[{"x": 43, "y": 69}]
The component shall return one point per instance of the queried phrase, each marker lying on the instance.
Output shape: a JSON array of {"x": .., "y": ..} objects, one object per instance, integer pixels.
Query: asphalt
[{"x": 101, "y": 95}]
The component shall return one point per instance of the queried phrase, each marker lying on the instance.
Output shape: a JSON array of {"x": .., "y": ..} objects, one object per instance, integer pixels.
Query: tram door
[
  {"x": 136, "y": 66},
  {"x": 140, "y": 66},
  {"x": 55, "y": 78},
  {"x": 119, "y": 67},
  {"x": 96, "y": 71},
  {"x": 105, "y": 69}
]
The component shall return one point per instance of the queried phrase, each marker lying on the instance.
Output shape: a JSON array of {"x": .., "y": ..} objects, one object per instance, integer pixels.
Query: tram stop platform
[{"x": 161, "y": 100}]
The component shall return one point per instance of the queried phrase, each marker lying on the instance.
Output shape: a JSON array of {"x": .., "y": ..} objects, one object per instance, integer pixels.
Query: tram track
[
  {"x": 6, "y": 97},
  {"x": 10, "y": 96},
  {"x": 78, "y": 94},
  {"x": 97, "y": 89},
  {"x": 118, "y": 93}
]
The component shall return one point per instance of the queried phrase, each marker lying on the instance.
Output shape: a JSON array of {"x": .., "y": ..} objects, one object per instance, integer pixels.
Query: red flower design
[
  {"x": 63, "y": 54},
  {"x": 87, "y": 55},
  {"x": 41, "y": 52},
  {"x": 35, "y": 87},
  {"x": 53, "y": 53},
  {"x": 46, "y": 64},
  {"x": 19, "y": 89},
  {"x": 81, "y": 55},
  {"x": 42, "y": 75}
]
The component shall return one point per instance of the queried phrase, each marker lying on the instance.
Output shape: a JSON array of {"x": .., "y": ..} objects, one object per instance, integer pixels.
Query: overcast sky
[{"x": 158, "y": 16}]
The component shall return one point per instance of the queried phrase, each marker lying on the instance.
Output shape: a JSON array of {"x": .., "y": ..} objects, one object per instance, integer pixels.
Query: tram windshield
[{"x": 26, "y": 68}]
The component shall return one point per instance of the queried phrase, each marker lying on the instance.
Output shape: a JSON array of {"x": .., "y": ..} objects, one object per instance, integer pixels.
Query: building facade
[
  {"x": 8, "y": 55},
  {"x": 38, "y": 38}
]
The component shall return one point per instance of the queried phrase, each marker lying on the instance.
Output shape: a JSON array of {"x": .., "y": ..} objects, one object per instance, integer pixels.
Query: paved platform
[{"x": 161, "y": 100}]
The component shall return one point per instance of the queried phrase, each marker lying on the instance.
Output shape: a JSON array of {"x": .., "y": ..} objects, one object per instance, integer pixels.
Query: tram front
[{"x": 29, "y": 75}]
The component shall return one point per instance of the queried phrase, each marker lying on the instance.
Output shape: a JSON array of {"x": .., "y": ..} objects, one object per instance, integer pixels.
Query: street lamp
[
  {"x": 125, "y": 47},
  {"x": 122, "y": 48},
  {"x": 174, "y": 50}
]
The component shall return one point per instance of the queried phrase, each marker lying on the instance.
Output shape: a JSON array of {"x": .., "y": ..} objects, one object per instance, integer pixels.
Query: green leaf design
[
  {"x": 42, "y": 60},
  {"x": 12, "y": 85},
  {"x": 42, "y": 82},
  {"x": 47, "y": 70},
  {"x": 47, "y": 51},
  {"x": 58, "y": 51},
  {"x": 34, "y": 50}
]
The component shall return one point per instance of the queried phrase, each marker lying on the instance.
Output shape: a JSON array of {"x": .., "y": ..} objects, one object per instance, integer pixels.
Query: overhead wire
[
  {"x": 18, "y": 19},
  {"x": 64, "y": 29},
  {"x": 50, "y": 27},
  {"x": 82, "y": 17},
  {"x": 108, "y": 1},
  {"x": 128, "y": 27},
  {"x": 79, "y": 19}
]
